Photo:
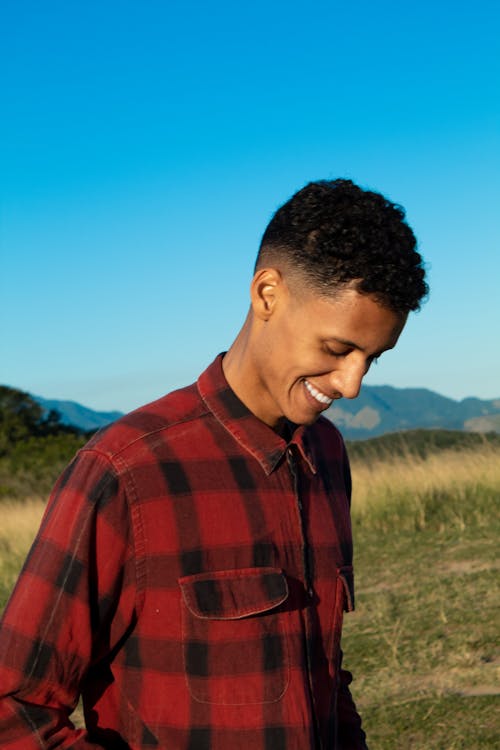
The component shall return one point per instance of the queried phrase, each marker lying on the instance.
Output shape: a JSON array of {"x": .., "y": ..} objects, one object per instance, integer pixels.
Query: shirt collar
[{"x": 254, "y": 435}]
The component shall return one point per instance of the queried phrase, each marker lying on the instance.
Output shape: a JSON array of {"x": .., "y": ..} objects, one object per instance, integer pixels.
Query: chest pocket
[{"x": 234, "y": 640}]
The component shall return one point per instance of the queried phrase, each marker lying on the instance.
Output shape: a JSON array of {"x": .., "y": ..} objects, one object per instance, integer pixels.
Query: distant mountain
[
  {"x": 77, "y": 415},
  {"x": 377, "y": 410},
  {"x": 382, "y": 408}
]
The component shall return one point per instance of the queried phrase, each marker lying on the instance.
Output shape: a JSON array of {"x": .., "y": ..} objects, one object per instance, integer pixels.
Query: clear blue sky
[{"x": 145, "y": 145}]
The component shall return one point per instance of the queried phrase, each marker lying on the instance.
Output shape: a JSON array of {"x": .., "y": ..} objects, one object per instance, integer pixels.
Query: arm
[{"x": 62, "y": 615}]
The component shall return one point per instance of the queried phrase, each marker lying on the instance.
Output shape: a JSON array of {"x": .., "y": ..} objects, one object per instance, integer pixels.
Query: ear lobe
[{"x": 264, "y": 291}]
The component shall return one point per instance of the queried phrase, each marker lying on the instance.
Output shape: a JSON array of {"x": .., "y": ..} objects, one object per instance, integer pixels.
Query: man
[{"x": 195, "y": 560}]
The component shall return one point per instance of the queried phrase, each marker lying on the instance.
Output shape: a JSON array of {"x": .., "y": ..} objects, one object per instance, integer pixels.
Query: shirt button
[{"x": 310, "y": 591}]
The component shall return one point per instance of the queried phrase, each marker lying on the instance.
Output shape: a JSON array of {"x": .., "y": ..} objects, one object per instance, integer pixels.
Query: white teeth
[{"x": 320, "y": 397}]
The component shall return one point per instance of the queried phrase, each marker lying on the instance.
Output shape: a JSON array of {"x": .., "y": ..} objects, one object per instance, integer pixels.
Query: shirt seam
[
  {"x": 138, "y": 543},
  {"x": 111, "y": 455}
]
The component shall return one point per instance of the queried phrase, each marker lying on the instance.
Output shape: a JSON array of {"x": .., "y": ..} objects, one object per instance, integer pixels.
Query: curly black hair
[{"x": 332, "y": 233}]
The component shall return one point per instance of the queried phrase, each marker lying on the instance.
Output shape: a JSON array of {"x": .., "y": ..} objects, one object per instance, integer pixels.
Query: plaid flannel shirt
[{"x": 189, "y": 581}]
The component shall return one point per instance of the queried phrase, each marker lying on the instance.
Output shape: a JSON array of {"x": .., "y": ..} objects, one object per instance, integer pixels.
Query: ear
[{"x": 265, "y": 290}]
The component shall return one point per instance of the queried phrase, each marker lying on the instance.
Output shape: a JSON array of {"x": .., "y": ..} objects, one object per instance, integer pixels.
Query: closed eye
[{"x": 333, "y": 353}]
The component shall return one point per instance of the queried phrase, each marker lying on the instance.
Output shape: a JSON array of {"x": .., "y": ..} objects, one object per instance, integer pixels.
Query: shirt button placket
[{"x": 292, "y": 465}]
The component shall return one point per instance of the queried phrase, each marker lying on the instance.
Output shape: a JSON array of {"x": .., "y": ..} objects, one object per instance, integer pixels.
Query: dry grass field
[
  {"x": 423, "y": 642},
  {"x": 456, "y": 488},
  {"x": 19, "y": 521}
]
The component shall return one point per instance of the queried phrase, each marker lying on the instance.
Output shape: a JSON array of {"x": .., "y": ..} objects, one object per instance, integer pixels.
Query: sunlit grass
[
  {"x": 19, "y": 523},
  {"x": 449, "y": 488}
]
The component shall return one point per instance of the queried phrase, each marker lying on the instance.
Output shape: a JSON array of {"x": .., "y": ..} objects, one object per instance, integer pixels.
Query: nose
[{"x": 347, "y": 380}]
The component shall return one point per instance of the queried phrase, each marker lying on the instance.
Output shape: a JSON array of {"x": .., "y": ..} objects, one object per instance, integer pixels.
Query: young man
[{"x": 192, "y": 569}]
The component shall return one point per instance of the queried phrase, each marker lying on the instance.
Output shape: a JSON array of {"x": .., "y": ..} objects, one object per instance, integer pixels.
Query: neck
[
  {"x": 235, "y": 360},
  {"x": 242, "y": 374}
]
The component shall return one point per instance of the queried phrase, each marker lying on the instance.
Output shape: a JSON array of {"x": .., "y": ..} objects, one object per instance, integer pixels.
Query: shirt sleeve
[{"x": 75, "y": 598}]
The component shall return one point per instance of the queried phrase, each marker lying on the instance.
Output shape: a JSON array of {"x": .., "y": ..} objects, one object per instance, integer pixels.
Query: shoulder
[
  {"x": 325, "y": 435},
  {"x": 331, "y": 455},
  {"x": 178, "y": 408}
]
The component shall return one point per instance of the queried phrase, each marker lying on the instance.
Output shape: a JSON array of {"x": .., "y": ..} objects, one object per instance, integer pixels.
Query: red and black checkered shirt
[{"x": 188, "y": 581}]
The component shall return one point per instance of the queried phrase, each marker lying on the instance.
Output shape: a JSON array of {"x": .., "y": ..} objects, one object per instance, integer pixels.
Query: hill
[
  {"x": 418, "y": 444},
  {"x": 35, "y": 445},
  {"x": 379, "y": 409},
  {"x": 72, "y": 413},
  {"x": 382, "y": 408}
]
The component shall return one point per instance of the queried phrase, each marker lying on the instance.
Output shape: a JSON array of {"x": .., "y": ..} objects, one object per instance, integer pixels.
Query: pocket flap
[
  {"x": 232, "y": 594},
  {"x": 346, "y": 575}
]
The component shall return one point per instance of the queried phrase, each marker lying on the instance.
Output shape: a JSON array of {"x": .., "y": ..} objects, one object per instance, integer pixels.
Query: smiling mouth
[{"x": 320, "y": 397}]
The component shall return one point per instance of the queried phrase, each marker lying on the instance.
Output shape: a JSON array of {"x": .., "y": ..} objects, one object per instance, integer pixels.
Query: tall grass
[
  {"x": 411, "y": 492},
  {"x": 19, "y": 523}
]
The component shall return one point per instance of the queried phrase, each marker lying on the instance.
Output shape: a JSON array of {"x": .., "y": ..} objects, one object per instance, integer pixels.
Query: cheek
[{"x": 319, "y": 365}]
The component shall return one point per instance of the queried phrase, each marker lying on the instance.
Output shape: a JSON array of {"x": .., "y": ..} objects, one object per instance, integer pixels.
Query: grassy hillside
[
  {"x": 34, "y": 446},
  {"x": 30, "y": 467},
  {"x": 419, "y": 443},
  {"x": 423, "y": 641}
]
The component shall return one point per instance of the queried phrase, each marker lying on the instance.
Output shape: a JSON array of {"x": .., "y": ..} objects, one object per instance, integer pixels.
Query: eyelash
[
  {"x": 335, "y": 354},
  {"x": 329, "y": 351}
]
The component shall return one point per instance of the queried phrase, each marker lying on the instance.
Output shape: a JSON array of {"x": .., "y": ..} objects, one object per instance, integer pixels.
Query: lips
[{"x": 320, "y": 397}]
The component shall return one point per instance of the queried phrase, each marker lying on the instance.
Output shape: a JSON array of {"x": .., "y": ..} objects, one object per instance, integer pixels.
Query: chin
[{"x": 311, "y": 419}]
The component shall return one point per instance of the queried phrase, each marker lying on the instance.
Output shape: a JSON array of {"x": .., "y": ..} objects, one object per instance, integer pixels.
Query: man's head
[
  {"x": 332, "y": 233},
  {"x": 336, "y": 276}
]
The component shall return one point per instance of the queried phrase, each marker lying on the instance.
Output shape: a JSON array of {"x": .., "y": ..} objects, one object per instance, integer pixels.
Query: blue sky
[{"x": 145, "y": 145}]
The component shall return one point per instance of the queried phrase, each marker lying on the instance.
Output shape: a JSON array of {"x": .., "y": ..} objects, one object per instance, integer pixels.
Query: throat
[{"x": 285, "y": 429}]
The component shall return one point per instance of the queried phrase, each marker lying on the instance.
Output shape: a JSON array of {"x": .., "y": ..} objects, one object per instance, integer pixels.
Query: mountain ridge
[
  {"x": 379, "y": 409},
  {"x": 383, "y": 408},
  {"x": 76, "y": 415}
]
